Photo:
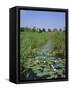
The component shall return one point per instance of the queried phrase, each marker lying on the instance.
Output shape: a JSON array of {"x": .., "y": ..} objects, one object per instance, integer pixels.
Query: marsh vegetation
[{"x": 42, "y": 54}]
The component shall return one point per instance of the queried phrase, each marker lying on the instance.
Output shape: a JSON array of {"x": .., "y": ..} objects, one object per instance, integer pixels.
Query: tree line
[{"x": 34, "y": 29}]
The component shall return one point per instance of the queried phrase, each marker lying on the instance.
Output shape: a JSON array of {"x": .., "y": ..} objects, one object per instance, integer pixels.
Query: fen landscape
[{"x": 42, "y": 53}]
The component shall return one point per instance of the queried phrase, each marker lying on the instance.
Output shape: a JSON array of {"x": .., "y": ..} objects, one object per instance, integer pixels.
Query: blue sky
[{"x": 42, "y": 19}]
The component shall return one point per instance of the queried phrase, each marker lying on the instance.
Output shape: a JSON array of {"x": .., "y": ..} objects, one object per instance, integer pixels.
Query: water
[
  {"x": 43, "y": 54},
  {"x": 46, "y": 65}
]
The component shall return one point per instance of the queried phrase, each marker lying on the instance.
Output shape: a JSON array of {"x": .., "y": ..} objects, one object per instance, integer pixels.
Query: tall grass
[{"x": 34, "y": 40}]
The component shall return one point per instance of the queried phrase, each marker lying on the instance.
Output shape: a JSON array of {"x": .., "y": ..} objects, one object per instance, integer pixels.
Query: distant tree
[
  {"x": 49, "y": 30},
  {"x": 37, "y": 29},
  {"x": 43, "y": 30},
  {"x": 21, "y": 29},
  {"x": 26, "y": 29},
  {"x": 60, "y": 29},
  {"x": 40, "y": 30},
  {"x": 34, "y": 29},
  {"x": 55, "y": 29}
]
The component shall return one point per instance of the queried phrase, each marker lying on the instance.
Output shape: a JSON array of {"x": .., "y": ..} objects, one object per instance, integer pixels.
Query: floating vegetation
[{"x": 42, "y": 55}]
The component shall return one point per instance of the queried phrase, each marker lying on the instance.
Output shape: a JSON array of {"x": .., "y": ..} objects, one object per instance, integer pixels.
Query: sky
[{"x": 42, "y": 19}]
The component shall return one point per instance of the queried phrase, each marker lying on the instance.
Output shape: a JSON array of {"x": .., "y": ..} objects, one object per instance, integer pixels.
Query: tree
[
  {"x": 21, "y": 29},
  {"x": 34, "y": 29},
  {"x": 49, "y": 30},
  {"x": 55, "y": 29},
  {"x": 43, "y": 30},
  {"x": 40, "y": 30},
  {"x": 60, "y": 29},
  {"x": 26, "y": 29}
]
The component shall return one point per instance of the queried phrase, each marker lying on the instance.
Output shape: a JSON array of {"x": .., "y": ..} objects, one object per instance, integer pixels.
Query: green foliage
[
  {"x": 22, "y": 29},
  {"x": 49, "y": 67},
  {"x": 49, "y": 30},
  {"x": 43, "y": 30},
  {"x": 34, "y": 29}
]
